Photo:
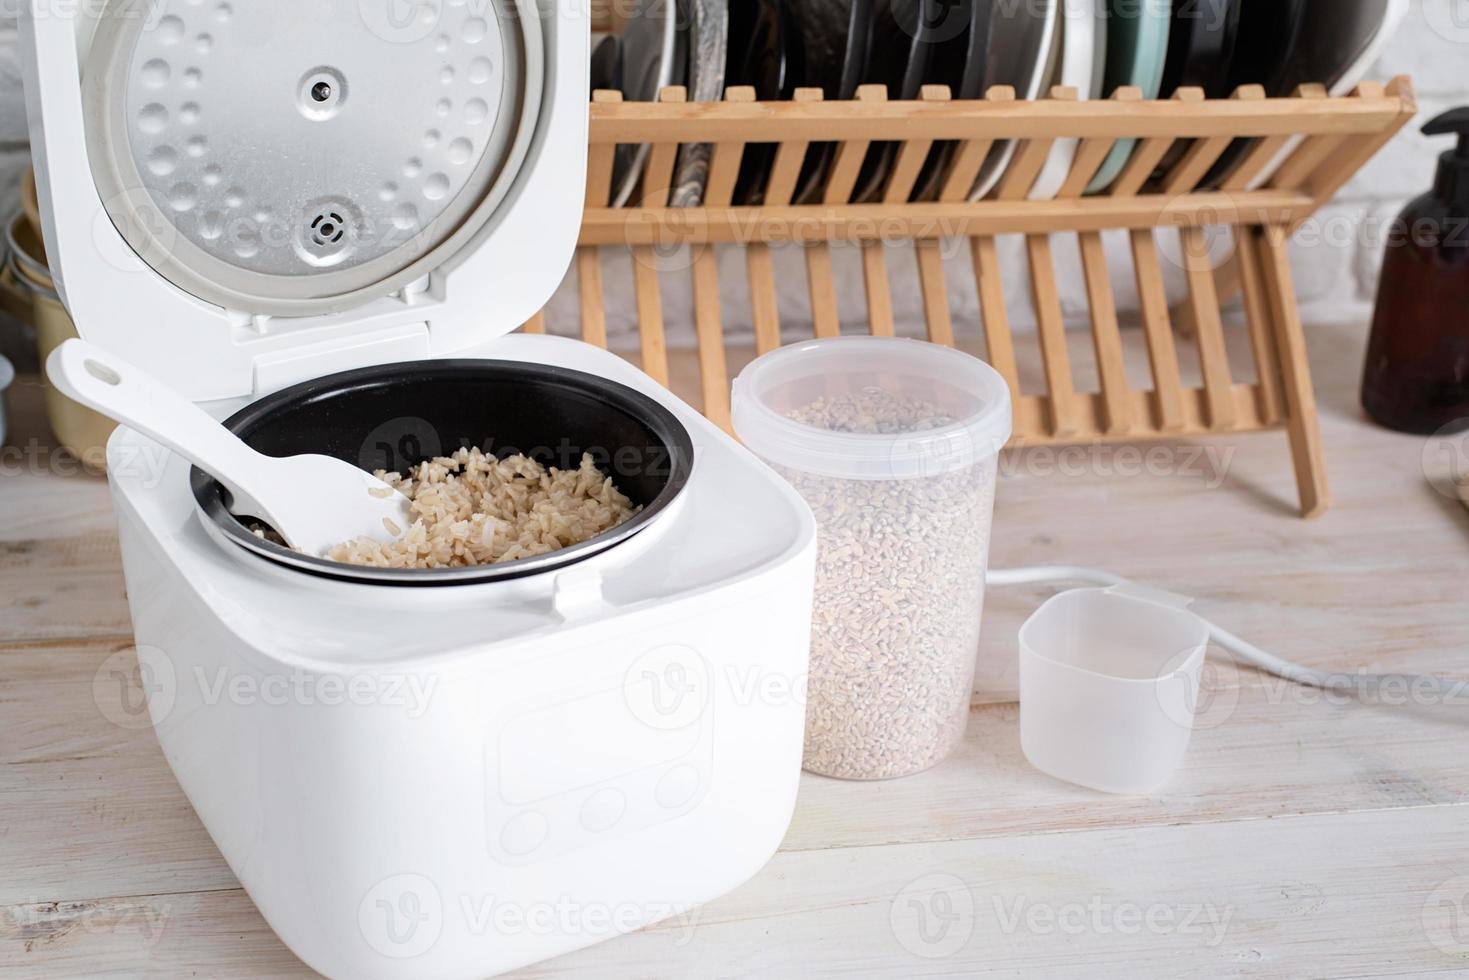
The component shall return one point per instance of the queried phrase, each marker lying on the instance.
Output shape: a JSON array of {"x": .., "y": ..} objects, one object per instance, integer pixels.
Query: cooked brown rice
[{"x": 474, "y": 509}]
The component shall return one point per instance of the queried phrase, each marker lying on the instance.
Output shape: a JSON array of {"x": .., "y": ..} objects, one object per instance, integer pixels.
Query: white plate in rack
[{"x": 1083, "y": 56}]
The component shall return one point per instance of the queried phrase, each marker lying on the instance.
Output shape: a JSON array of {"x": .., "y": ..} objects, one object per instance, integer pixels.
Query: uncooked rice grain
[
  {"x": 899, "y": 588},
  {"x": 473, "y": 509}
]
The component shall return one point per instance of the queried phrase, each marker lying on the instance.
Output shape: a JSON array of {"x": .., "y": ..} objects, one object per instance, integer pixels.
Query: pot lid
[{"x": 279, "y": 157}]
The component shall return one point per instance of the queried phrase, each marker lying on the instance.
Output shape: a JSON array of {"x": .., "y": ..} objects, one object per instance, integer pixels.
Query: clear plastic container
[
  {"x": 895, "y": 445},
  {"x": 1109, "y": 679}
]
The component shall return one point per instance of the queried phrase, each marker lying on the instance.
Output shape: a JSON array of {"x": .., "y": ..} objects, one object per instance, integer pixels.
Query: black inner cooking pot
[{"x": 394, "y": 416}]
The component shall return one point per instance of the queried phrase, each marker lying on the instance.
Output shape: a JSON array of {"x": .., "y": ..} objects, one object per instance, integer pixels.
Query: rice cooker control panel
[{"x": 618, "y": 755}]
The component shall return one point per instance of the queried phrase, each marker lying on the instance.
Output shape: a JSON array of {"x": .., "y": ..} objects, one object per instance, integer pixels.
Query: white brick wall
[
  {"x": 1433, "y": 48},
  {"x": 1336, "y": 257}
]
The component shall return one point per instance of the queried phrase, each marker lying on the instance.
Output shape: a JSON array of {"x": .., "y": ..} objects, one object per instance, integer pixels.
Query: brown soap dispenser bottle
[{"x": 1417, "y": 377}]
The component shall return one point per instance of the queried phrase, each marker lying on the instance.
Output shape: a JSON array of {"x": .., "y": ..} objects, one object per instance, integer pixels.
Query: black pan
[
  {"x": 1201, "y": 47},
  {"x": 961, "y": 62},
  {"x": 837, "y": 36},
  {"x": 394, "y": 416},
  {"x": 765, "y": 52},
  {"x": 1270, "y": 32},
  {"x": 904, "y": 36}
]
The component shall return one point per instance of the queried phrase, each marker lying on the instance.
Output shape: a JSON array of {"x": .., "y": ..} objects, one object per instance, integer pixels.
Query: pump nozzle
[
  {"x": 1453, "y": 166},
  {"x": 1453, "y": 121}
]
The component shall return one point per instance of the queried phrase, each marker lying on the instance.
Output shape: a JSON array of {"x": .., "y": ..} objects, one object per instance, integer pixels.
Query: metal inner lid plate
[{"x": 287, "y": 157}]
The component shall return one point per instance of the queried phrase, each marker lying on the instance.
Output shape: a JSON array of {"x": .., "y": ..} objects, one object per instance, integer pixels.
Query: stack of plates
[{"x": 1093, "y": 46}]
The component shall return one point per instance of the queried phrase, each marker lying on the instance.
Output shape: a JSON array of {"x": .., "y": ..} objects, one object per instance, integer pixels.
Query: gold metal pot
[{"x": 28, "y": 294}]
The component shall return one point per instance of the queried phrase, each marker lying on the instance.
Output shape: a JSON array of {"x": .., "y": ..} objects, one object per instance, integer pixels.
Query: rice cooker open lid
[{"x": 293, "y": 159}]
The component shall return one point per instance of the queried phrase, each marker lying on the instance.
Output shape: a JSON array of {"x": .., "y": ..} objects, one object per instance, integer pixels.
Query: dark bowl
[
  {"x": 905, "y": 35},
  {"x": 394, "y": 416},
  {"x": 765, "y": 52}
]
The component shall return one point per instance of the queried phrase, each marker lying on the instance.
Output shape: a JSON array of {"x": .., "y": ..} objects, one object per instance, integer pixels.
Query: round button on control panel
[
  {"x": 603, "y": 809},
  {"x": 677, "y": 787},
  {"x": 524, "y": 833}
]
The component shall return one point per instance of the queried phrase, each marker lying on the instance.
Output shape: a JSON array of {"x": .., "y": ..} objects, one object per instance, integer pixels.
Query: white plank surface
[
  {"x": 1328, "y": 838},
  {"x": 1344, "y": 895}
]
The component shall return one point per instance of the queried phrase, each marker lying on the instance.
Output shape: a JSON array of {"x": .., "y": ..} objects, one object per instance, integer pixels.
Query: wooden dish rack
[{"x": 1333, "y": 139}]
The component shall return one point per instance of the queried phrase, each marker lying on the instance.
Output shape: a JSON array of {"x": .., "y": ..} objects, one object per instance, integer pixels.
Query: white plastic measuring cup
[{"x": 1109, "y": 680}]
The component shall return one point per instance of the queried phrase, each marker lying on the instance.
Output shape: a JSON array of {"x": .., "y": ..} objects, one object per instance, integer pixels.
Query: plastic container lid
[
  {"x": 970, "y": 393},
  {"x": 1109, "y": 682}
]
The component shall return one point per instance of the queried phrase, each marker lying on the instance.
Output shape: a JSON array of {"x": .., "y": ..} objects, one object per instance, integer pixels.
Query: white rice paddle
[{"x": 315, "y": 502}]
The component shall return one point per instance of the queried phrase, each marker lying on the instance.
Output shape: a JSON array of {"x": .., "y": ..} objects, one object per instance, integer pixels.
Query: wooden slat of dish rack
[{"x": 1340, "y": 135}]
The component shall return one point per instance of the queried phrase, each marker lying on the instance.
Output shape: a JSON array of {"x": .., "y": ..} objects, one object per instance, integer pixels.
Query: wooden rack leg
[
  {"x": 1185, "y": 178},
  {"x": 1213, "y": 355},
  {"x": 655, "y": 190},
  {"x": 1303, "y": 423},
  {"x": 598, "y": 192},
  {"x": 1226, "y": 287},
  {"x": 906, "y": 170},
  {"x": 785, "y": 172},
  {"x": 1051, "y": 326},
  {"x": 589, "y": 292},
  {"x": 1106, "y": 337},
  {"x": 724, "y": 169},
  {"x": 930, "y": 259},
  {"x": 824, "y": 318},
  {"x": 999, "y": 344},
  {"x": 658, "y": 178},
  {"x": 764, "y": 311},
  {"x": 1257, "y": 315},
  {"x": 879, "y": 291},
  {"x": 650, "y": 313},
  {"x": 709, "y": 326},
  {"x": 1162, "y": 353},
  {"x": 842, "y": 180}
]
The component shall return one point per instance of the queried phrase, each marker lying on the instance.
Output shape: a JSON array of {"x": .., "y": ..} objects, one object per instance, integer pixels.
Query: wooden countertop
[{"x": 1304, "y": 836}]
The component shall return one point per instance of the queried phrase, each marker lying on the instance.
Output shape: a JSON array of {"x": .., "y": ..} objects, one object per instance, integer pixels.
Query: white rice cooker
[{"x": 307, "y": 215}]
